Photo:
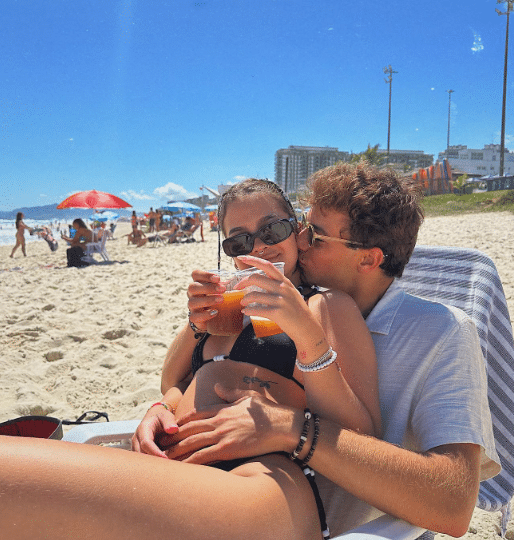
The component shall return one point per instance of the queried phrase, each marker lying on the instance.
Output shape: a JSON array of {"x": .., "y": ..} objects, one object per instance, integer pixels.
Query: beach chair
[
  {"x": 467, "y": 279},
  {"x": 97, "y": 246}
]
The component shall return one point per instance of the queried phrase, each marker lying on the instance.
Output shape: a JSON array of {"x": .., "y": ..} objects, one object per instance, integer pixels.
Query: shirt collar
[{"x": 381, "y": 318}]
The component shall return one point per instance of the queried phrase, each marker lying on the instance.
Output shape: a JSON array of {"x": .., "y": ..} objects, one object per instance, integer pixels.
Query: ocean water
[{"x": 8, "y": 230}]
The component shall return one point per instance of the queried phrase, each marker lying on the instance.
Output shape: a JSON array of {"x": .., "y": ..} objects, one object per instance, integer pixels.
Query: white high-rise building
[{"x": 482, "y": 162}]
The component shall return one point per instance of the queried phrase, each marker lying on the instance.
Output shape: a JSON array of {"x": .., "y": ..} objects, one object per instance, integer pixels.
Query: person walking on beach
[
  {"x": 20, "y": 234},
  {"x": 151, "y": 220}
]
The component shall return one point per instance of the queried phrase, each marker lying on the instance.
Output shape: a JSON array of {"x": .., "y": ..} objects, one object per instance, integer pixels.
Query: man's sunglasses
[
  {"x": 270, "y": 234},
  {"x": 312, "y": 235}
]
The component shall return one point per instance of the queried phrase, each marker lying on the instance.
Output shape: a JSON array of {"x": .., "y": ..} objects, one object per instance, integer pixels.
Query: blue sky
[{"x": 151, "y": 99}]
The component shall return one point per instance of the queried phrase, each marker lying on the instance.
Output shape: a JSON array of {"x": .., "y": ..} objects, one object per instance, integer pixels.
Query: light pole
[
  {"x": 388, "y": 70},
  {"x": 450, "y": 92},
  {"x": 203, "y": 203},
  {"x": 502, "y": 144}
]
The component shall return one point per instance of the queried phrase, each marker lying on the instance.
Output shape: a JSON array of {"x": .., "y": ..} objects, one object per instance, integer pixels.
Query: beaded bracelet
[
  {"x": 198, "y": 333},
  {"x": 314, "y": 440},
  {"x": 303, "y": 437},
  {"x": 165, "y": 405},
  {"x": 321, "y": 363}
]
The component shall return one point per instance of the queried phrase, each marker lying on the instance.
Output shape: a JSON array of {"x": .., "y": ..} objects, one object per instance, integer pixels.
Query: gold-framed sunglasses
[{"x": 312, "y": 235}]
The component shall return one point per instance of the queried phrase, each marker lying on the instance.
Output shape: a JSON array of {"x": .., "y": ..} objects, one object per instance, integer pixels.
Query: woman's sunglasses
[{"x": 270, "y": 234}]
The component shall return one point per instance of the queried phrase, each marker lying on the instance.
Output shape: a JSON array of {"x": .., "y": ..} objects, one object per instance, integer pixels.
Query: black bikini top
[{"x": 276, "y": 353}]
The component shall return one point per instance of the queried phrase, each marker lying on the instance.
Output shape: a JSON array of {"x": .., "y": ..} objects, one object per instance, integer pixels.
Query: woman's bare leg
[
  {"x": 15, "y": 248},
  {"x": 60, "y": 490}
]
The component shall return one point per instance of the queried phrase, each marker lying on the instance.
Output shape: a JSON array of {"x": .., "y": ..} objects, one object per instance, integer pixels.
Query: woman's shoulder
[{"x": 333, "y": 300}]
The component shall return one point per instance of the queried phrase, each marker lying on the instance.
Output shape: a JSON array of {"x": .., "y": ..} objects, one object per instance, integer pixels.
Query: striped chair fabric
[{"x": 468, "y": 279}]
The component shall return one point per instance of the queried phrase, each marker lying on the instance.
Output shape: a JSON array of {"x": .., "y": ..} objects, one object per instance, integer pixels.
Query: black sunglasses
[{"x": 270, "y": 234}]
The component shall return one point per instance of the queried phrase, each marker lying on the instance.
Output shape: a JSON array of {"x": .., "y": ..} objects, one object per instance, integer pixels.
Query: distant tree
[
  {"x": 460, "y": 184},
  {"x": 371, "y": 155}
]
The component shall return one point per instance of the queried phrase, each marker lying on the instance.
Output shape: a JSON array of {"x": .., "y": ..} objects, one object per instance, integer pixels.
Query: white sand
[{"x": 95, "y": 338}]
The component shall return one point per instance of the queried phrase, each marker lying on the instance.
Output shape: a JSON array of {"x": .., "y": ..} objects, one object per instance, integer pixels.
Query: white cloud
[
  {"x": 134, "y": 195},
  {"x": 174, "y": 191},
  {"x": 477, "y": 43},
  {"x": 43, "y": 195}
]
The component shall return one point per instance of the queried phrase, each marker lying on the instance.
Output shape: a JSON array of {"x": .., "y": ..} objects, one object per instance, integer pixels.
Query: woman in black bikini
[
  {"x": 257, "y": 219},
  {"x": 84, "y": 491}
]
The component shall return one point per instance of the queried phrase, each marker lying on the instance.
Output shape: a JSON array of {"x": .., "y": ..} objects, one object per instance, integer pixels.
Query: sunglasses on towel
[{"x": 270, "y": 234}]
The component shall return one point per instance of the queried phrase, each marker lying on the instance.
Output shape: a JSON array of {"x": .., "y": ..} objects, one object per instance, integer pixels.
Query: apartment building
[
  {"x": 412, "y": 159},
  {"x": 483, "y": 162},
  {"x": 295, "y": 164}
]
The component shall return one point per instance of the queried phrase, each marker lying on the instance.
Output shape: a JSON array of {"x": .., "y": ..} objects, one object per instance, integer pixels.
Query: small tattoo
[{"x": 262, "y": 384}]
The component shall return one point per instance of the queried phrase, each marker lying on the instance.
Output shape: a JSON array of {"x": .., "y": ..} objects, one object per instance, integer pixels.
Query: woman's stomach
[{"x": 238, "y": 376}]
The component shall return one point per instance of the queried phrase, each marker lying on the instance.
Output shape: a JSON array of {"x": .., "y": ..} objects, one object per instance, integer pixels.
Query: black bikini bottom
[{"x": 309, "y": 474}]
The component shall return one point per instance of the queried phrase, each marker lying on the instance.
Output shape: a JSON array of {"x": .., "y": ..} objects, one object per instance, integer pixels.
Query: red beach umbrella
[{"x": 93, "y": 199}]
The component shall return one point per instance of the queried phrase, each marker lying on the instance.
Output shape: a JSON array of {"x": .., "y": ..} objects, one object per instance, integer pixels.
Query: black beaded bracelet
[
  {"x": 303, "y": 437},
  {"x": 198, "y": 333},
  {"x": 314, "y": 440}
]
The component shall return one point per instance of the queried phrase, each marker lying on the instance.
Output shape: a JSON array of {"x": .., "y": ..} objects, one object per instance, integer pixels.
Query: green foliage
[
  {"x": 473, "y": 203},
  {"x": 371, "y": 155},
  {"x": 460, "y": 183}
]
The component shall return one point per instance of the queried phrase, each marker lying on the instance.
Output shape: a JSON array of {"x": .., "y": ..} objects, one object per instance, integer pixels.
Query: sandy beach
[{"x": 95, "y": 338}]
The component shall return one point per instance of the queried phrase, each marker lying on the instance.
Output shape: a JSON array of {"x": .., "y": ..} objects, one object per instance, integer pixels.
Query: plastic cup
[
  {"x": 229, "y": 319},
  {"x": 262, "y": 327}
]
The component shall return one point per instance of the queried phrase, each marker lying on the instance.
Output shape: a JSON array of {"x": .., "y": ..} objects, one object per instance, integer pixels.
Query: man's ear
[{"x": 371, "y": 259}]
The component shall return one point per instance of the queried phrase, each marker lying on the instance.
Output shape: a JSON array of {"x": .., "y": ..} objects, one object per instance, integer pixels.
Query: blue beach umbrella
[
  {"x": 104, "y": 216},
  {"x": 211, "y": 208},
  {"x": 181, "y": 206}
]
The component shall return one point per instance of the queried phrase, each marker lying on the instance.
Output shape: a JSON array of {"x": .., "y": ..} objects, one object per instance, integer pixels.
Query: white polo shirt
[{"x": 432, "y": 390}]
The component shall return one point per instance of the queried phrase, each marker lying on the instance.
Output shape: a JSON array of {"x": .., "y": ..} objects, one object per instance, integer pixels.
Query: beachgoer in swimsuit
[
  {"x": 254, "y": 216},
  {"x": 20, "y": 234}
]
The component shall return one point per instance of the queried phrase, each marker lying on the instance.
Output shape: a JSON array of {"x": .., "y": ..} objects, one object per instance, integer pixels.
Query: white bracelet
[{"x": 321, "y": 363}]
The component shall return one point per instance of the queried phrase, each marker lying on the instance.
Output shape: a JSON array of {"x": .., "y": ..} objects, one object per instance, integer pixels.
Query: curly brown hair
[{"x": 384, "y": 210}]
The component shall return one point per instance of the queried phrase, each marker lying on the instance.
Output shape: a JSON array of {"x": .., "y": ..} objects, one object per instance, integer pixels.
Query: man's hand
[
  {"x": 154, "y": 430},
  {"x": 249, "y": 425}
]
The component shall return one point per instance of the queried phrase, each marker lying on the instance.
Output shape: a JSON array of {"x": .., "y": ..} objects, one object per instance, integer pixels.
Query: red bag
[{"x": 43, "y": 427}]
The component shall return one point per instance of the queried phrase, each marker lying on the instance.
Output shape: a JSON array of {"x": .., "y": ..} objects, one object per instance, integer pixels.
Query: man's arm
[{"x": 436, "y": 490}]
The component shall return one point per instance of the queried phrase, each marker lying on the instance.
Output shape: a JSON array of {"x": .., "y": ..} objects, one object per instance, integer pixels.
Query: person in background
[
  {"x": 20, "y": 234},
  {"x": 199, "y": 222},
  {"x": 77, "y": 244},
  {"x": 151, "y": 220}
]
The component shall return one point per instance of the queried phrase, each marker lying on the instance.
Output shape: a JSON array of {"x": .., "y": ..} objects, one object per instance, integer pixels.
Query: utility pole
[
  {"x": 450, "y": 92},
  {"x": 502, "y": 144},
  {"x": 388, "y": 70}
]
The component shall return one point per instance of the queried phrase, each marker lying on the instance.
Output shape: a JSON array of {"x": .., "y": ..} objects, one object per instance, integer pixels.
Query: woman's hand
[
  {"x": 204, "y": 294},
  {"x": 155, "y": 428},
  {"x": 283, "y": 304}
]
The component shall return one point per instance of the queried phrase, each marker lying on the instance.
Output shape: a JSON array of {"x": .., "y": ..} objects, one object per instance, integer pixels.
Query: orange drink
[
  {"x": 264, "y": 327},
  {"x": 229, "y": 320}
]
